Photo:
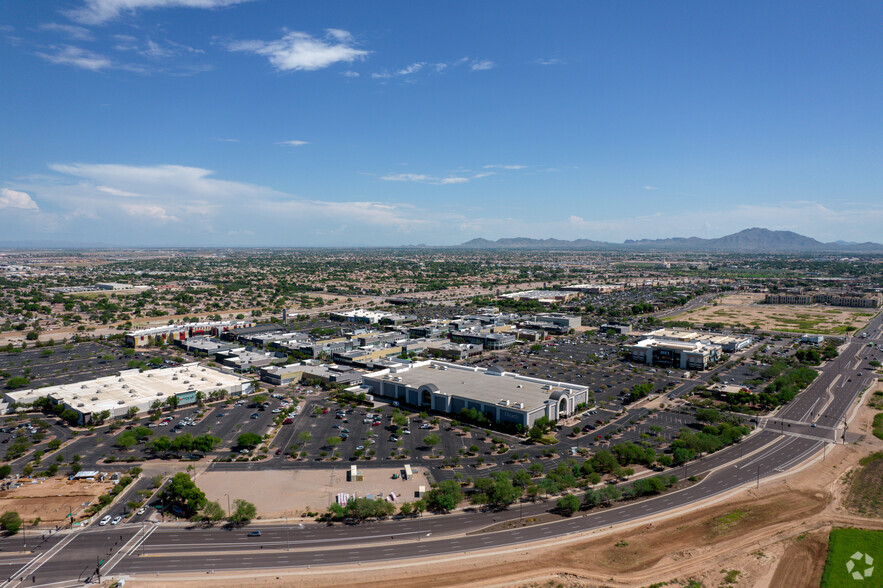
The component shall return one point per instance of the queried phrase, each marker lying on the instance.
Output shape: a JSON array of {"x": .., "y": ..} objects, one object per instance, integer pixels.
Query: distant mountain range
[{"x": 750, "y": 240}]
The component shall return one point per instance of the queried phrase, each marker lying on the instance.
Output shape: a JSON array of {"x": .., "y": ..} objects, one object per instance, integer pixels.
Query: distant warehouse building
[
  {"x": 172, "y": 333},
  {"x": 834, "y": 299},
  {"x": 680, "y": 354},
  {"x": 503, "y": 397},
  {"x": 488, "y": 341},
  {"x": 135, "y": 389}
]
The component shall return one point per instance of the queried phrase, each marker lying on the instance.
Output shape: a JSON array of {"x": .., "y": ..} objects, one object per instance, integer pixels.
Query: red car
[
  {"x": 279, "y": 451},
  {"x": 288, "y": 421}
]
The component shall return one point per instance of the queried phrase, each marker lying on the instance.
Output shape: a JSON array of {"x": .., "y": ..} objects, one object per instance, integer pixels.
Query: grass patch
[
  {"x": 843, "y": 546},
  {"x": 866, "y": 488},
  {"x": 878, "y": 425},
  {"x": 725, "y": 522}
]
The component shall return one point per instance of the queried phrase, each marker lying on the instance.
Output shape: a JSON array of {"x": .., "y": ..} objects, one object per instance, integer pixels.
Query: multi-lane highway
[{"x": 784, "y": 441}]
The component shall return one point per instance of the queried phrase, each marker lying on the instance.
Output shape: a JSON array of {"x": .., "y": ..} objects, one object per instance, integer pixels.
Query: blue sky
[{"x": 295, "y": 123}]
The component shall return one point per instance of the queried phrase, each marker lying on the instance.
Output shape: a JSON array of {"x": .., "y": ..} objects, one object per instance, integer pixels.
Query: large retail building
[
  {"x": 135, "y": 389},
  {"x": 503, "y": 397}
]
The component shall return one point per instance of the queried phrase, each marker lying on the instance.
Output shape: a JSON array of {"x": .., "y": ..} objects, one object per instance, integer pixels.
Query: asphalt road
[{"x": 776, "y": 448}]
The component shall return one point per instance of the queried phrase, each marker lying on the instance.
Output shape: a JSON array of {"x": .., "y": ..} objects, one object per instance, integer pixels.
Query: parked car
[
  {"x": 104, "y": 521},
  {"x": 116, "y": 520}
]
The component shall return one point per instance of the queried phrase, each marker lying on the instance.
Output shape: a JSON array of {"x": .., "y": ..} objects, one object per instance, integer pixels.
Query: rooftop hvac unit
[
  {"x": 93, "y": 399},
  {"x": 80, "y": 404},
  {"x": 159, "y": 393},
  {"x": 83, "y": 387},
  {"x": 121, "y": 402}
]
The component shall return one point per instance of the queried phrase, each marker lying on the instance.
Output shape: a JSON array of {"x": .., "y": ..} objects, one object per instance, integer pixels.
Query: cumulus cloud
[
  {"x": 15, "y": 199},
  {"x": 149, "y": 210},
  {"x": 297, "y": 51},
  {"x": 77, "y": 57},
  {"x": 144, "y": 204},
  {"x": 483, "y": 65},
  {"x": 293, "y": 143},
  {"x": 95, "y": 12}
]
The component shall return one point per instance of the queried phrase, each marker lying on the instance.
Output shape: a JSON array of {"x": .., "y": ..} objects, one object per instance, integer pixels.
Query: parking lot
[{"x": 61, "y": 364}]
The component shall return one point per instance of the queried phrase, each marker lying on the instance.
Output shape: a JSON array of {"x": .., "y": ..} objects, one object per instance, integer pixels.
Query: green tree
[
  {"x": 248, "y": 440},
  {"x": 333, "y": 441},
  {"x": 5, "y": 470},
  {"x": 568, "y": 504},
  {"x": 444, "y": 498},
  {"x": 182, "y": 491},
  {"x": 431, "y": 440},
  {"x": 10, "y": 522},
  {"x": 243, "y": 511}
]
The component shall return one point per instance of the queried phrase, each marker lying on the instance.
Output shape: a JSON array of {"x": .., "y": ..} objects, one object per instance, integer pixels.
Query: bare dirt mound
[{"x": 803, "y": 561}]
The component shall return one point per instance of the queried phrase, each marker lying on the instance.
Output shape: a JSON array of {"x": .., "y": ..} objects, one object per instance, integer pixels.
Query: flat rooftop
[
  {"x": 131, "y": 387},
  {"x": 477, "y": 383}
]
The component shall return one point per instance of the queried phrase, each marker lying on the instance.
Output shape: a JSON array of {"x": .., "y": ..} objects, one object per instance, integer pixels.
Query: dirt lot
[
  {"x": 288, "y": 493},
  {"x": 52, "y": 499},
  {"x": 743, "y": 310}
]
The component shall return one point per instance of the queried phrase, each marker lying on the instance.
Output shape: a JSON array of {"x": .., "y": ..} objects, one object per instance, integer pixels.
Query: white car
[
  {"x": 116, "y": 520},
  {"x": 142, "y": 510},
  {"x": 276, "y": 410},
  {"x": 104, "y": 521}
]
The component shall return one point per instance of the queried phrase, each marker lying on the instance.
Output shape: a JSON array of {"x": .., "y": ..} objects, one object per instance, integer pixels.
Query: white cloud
[
  {"x": 137, "y": 202},
  {"x": 149, "y": 210},
  {"x": 350, "y": 74},
  {"x": 381, "y": 75},
  {"x": 434, "y": 180},
  {"x": 413, "y": 68},
  {"x": 293, "y": 143},
  {"x": 114, "y": 191},
  {"x": 74, "y": 32},
  {"x": 78, "y": 57},
  {"x": 15, "y": 199},
  {"x": 96, "y": 12},
  {"x": 227, "y": 140},
  {"x": 552, "y": 61},
  {"x": 651, "y": 187},
  {"x": 505, "y": 166},
  {"x": 298, "y": 51},
  {"x": 483, "y": 65}
]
